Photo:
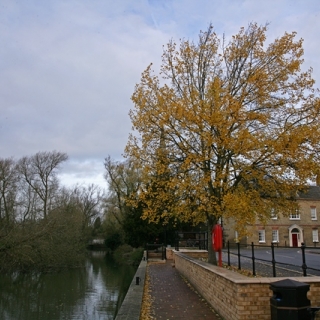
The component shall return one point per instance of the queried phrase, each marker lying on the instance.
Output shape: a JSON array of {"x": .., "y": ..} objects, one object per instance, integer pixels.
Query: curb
[{"x": 131, "y": 305}]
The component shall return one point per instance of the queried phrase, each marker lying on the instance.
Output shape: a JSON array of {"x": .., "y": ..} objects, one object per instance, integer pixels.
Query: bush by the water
[
  {"x": 113, "y": 240},
  {"x": 125, "y": 254},
  {"x": 43, "y": 245}
]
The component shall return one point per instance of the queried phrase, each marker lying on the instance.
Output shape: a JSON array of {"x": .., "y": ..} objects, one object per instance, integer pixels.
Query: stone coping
[
  {"x": 238, "y": 278},
  {"x": 189, "y": 250},
  {"x": 131, "y": 305}
]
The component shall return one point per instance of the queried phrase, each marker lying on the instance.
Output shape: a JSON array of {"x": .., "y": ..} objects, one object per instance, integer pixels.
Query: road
[{"x": 288, "y": 260}]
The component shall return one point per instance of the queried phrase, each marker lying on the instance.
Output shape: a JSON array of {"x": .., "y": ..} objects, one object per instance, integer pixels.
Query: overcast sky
[{"x": 68, "y": 67}]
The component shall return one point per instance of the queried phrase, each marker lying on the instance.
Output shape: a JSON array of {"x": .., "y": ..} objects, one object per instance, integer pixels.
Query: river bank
[{"x": 93, "y": 291}]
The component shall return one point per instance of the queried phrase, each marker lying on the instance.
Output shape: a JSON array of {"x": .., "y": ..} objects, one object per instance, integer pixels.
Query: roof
[{"x": 311, "y": 193}]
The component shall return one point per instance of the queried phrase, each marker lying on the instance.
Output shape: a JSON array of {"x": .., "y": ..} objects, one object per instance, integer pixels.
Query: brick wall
[
  {"x": 194, "y": 253},
  {"x": 169, "y": 254},
  {"x": 232, "y": 295}
]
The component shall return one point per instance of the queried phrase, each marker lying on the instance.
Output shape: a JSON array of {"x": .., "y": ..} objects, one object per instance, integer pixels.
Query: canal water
[{"x": 91, "y": 293}]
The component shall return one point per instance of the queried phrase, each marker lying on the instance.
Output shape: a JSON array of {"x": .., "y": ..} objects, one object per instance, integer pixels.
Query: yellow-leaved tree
[{"x": 228, "y": 129}]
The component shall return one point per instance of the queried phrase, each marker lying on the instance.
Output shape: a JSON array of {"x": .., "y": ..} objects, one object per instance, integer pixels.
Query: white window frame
[
  {"x": 262, "y": 236},
  {"x": 274, "y": 215},
  {"x": 313, "y": 213},
  {"x": 275, "y": 236},
  {"x": 295, "y": 216},
  {"x": 315, "y": 235}
]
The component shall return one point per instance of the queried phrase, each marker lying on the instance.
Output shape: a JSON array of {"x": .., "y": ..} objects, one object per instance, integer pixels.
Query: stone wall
[
  {"x": 169, "y": 253},
  {"x": 194, "y": 253},
  {"x": 232, "y": 295},
  {"x": 131, "y": 306}
]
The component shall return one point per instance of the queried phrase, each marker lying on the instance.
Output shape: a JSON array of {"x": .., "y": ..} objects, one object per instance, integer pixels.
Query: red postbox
[{"x": 217, "y": 241}]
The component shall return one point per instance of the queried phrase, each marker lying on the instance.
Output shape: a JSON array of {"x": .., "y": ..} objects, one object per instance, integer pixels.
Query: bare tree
[
  {"x": 8, "y": 188},
  {"x": 124, "y": 181},
  {"x": 39, "y": 172},
  {"x": 87, "y": 199},
  {"x": 28, "y": 202}
]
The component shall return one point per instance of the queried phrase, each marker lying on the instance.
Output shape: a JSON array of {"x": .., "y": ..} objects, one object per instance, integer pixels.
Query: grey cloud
[{"x": 68, "y": 68}]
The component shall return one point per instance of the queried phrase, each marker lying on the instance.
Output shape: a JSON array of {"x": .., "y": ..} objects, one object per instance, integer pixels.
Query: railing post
[
  {"x": 304, "y": 265},
  {"x": 147, "y": 252},
  {"x": 228, "y": 245},
  {"x": 239, "y": 260},
  {"x": 206, "y": 241},
  {"x": 177, "y": 241},
  {"x": 273, "y": 260},
  {"x": 253, "y": 260}
]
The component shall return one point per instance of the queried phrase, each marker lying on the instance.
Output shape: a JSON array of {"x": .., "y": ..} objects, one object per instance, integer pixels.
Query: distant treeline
[{"x": 43, "y": 226}]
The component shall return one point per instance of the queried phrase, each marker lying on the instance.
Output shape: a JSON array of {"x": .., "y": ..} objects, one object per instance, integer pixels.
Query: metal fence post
[
  {"x": 304, "y": 265},
  {"x": 239, "y": 260},
  {"x": 206, "y": 243},
  {"x": 253, "y": 260},
  {"x": 147, "y": 251},
  {"x": 228, "y": 245},
  {"x": 177, "y": 241},
  {"x": 273, "y": 261}
]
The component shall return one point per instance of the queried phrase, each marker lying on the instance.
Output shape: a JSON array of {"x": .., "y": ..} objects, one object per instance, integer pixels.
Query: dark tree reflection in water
[{"x": 95, "y": 291}]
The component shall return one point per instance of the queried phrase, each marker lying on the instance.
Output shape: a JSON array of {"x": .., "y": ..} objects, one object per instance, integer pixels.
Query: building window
[
  {"x": 313, "y": 212},
  {"x": 275, "y": 236},
  {"x": 295, "y": 216},
  {"x": 262, "y": 236},
  {"x": 315, "y": 235},
  {"x": 274, "y": 215}
]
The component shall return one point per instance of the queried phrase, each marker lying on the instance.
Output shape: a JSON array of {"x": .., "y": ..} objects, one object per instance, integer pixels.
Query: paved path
[{"x": 172, "y": 297}]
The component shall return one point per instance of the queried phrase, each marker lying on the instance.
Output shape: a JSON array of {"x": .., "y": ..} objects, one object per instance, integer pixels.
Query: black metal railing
[
  {"x": 156, "y": 250},
  {"x": 194, "y": 240},
  {"x": 248, "y": 254}
]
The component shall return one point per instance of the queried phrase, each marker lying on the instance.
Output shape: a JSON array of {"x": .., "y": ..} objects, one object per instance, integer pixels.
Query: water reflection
[{"x": 95, "y": 291}]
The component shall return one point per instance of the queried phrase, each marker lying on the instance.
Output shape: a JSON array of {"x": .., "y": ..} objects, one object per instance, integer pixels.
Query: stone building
[{"x": 300, "y": 227}]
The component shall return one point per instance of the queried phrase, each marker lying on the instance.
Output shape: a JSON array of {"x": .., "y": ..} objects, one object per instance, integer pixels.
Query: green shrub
[
  {"x": 125, "y": 254},
  {"x": 113, "y": 241}
]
